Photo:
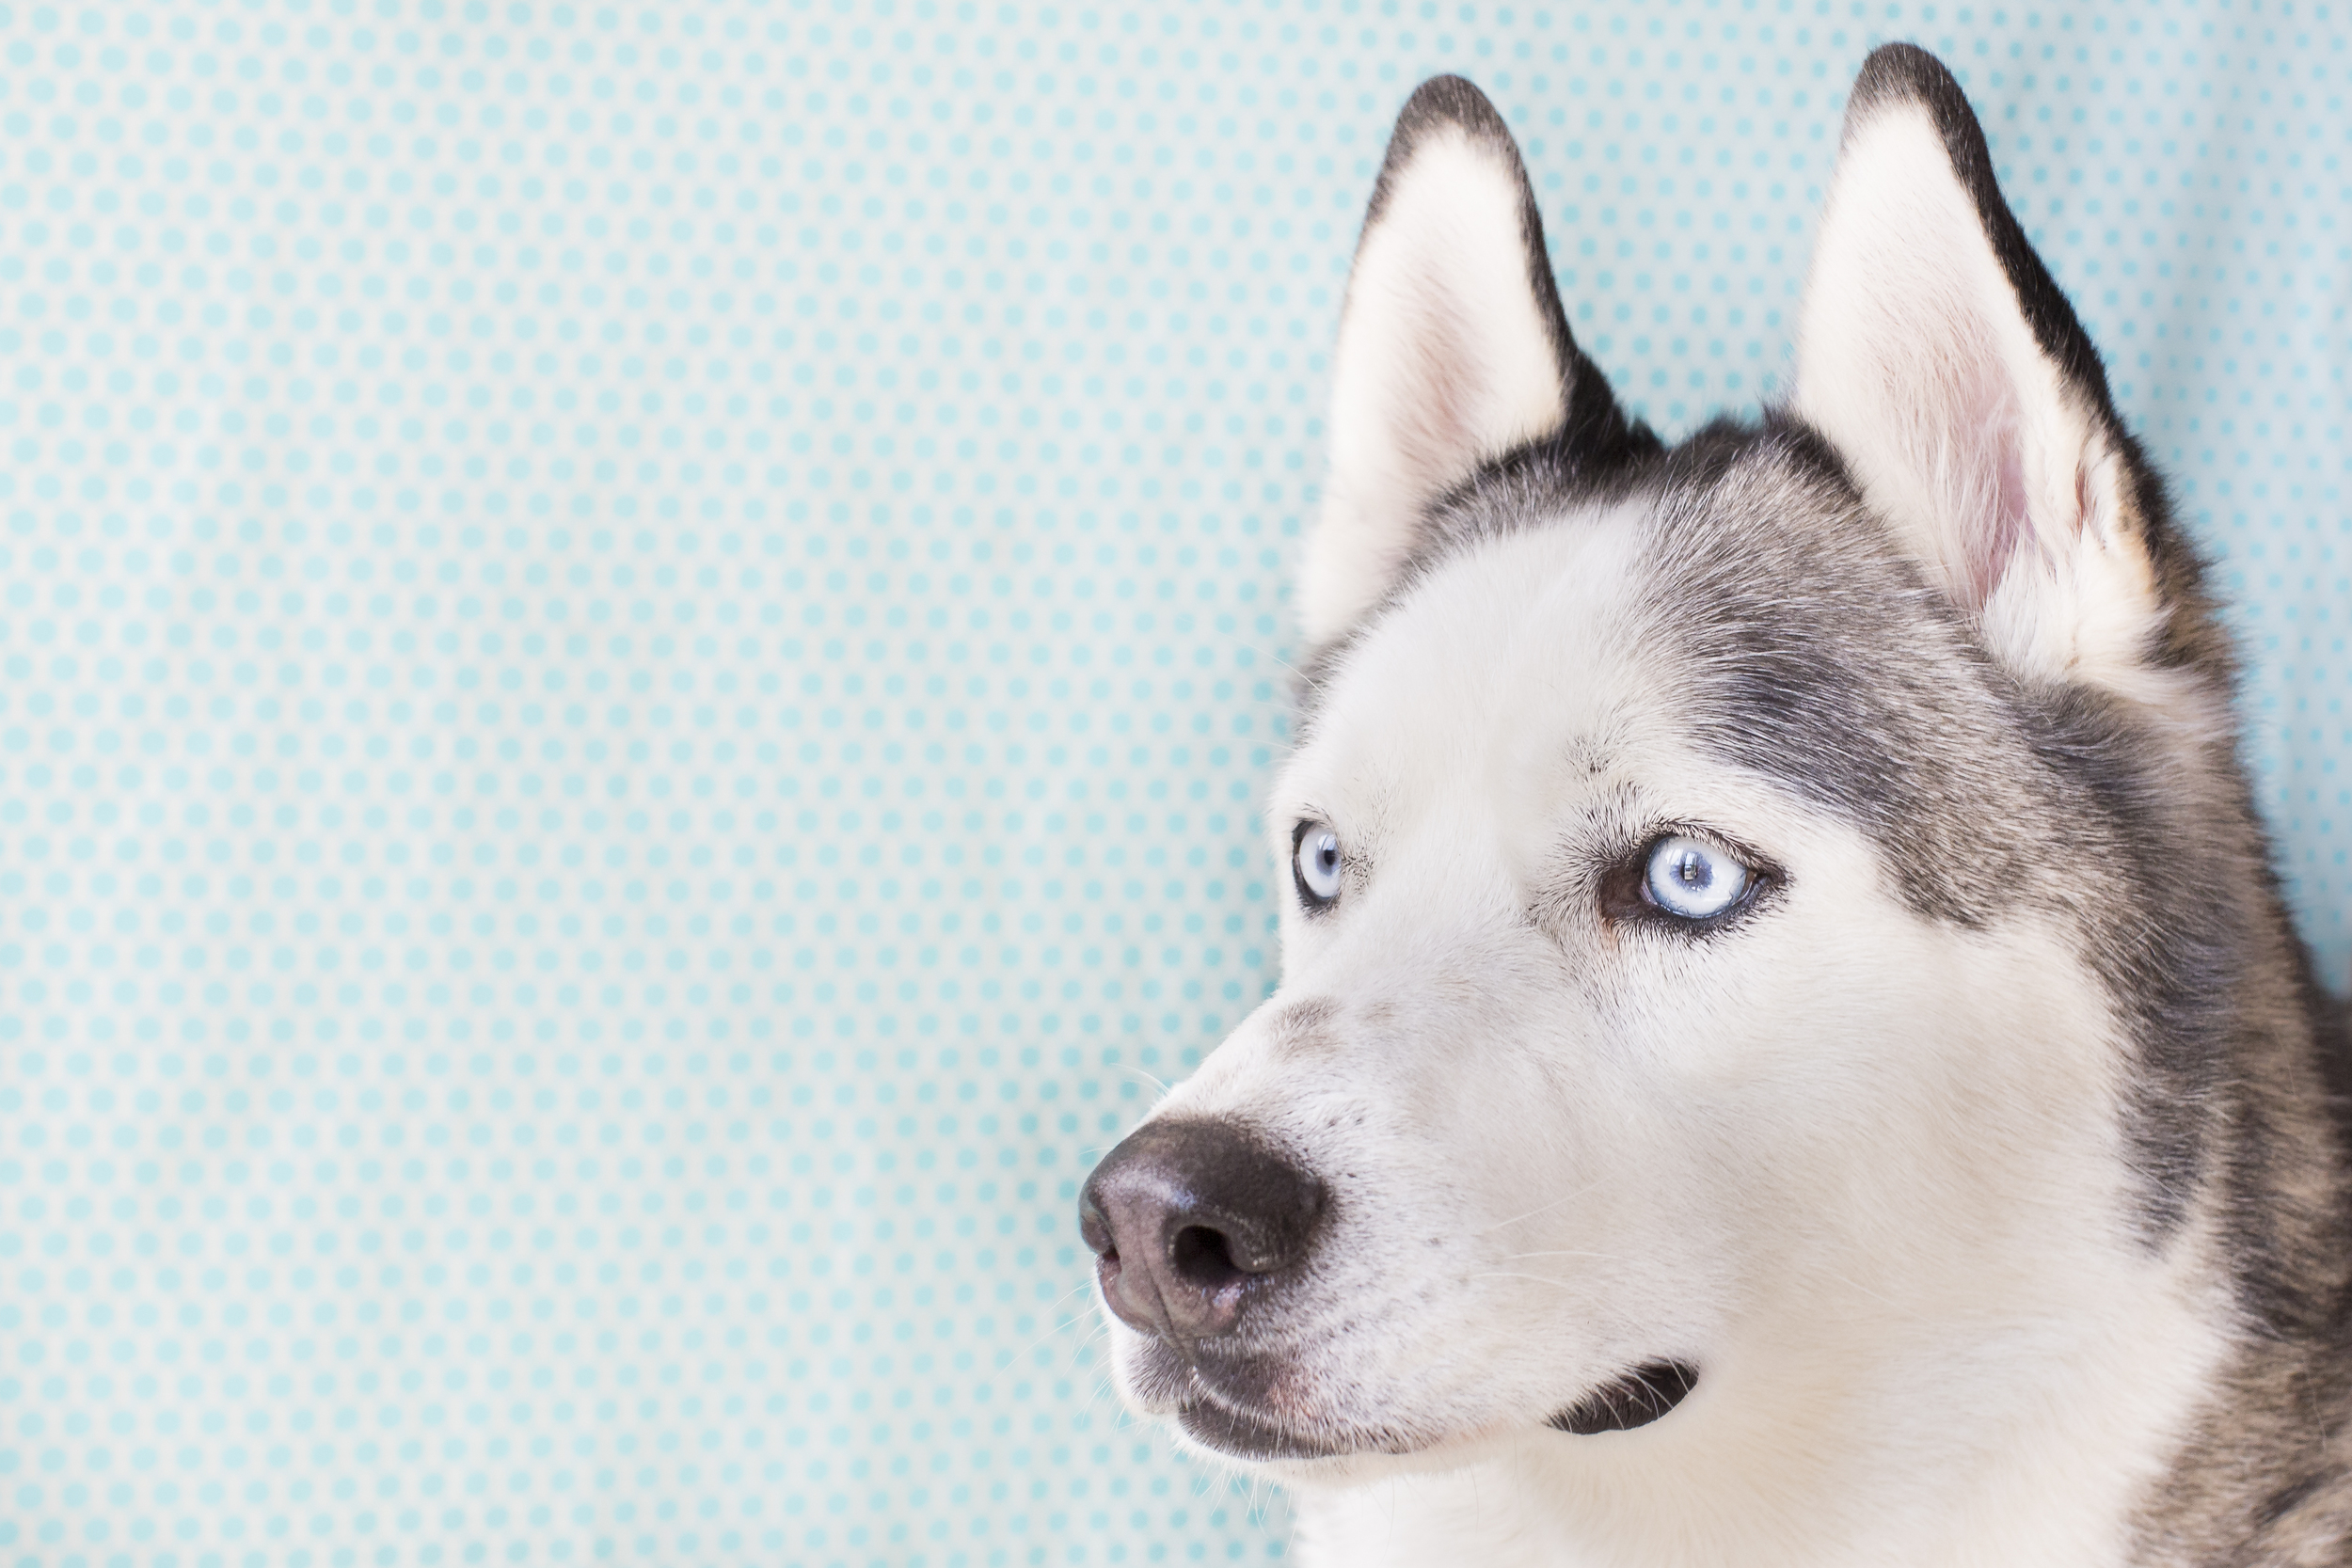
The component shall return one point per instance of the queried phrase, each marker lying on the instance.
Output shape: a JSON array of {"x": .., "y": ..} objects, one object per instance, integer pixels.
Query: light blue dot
[{"x": 637, "y": 648}]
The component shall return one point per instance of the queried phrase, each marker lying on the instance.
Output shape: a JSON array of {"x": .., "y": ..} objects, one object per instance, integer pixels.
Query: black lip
[
  {"x": 1217, "y": 1402},
  {"x": 1635, "y": 1399},
  {"x": 1243, "y": 1436}
]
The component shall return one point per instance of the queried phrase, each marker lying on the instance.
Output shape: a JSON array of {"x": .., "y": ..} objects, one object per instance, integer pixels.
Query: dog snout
[{"x": 1189, "y": 1221}]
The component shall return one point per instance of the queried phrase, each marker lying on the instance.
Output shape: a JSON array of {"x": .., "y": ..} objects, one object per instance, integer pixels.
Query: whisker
[
  {"x": 1857, "y": 1285},
  {"x": 1540, "y": 1208},
  {"x": 1057, "y": 1327},
  {"x": 1538, "y": 1278}
]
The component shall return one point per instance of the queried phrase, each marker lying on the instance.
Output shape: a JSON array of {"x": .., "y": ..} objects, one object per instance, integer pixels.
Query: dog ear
[
  {"x": 1453, "y": 349},
  {"x": 1941, "y": 360}
]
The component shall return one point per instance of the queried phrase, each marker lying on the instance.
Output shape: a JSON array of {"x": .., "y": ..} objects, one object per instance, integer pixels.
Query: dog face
[{"x": 1721, "y": 911}]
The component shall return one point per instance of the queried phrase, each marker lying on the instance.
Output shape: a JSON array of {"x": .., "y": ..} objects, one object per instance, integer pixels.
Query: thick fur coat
[{"x": 1790, "y": 1051}]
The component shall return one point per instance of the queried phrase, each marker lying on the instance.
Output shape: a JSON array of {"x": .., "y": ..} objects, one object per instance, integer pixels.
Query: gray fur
[
  {"x": 1782, "y": 596},
  {"x": 1798, "y": 641}
]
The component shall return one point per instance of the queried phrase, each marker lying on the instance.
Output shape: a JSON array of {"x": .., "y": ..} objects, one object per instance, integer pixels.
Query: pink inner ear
[
  {"x": 1976, "y": 430},
  {"x": 1437, "y": 430}
]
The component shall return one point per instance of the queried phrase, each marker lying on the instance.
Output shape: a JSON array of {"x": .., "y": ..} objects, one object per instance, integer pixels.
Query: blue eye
[
  {"x": 1694, "y": 880},
  {"x": 1316, "y": 861}
]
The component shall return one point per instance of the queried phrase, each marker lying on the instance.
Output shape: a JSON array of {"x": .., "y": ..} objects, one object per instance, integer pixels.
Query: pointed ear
[
  {"x": 1944, "y": 363},
  {"x": 1452, "y": 348}
]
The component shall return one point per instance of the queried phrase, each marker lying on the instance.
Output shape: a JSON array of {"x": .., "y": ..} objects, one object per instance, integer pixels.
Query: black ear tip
[
  {"x": 1903, "y": 56},
  {"x": 1450, "y": 101},
  {"x": 1905, "y": 74}
]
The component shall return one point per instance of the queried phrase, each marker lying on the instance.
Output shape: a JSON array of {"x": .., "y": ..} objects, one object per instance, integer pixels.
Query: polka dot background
[{"x": 639, "y": 643}]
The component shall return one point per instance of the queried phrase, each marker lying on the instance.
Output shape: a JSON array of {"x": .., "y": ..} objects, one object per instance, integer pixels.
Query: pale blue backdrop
[{"x": 639, "y": 643}]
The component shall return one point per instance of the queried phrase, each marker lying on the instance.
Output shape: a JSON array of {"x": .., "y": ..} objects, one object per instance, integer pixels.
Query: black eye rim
[
  {"x": 1308, "y": 899},
  {"x": 1625, "y": 897}
]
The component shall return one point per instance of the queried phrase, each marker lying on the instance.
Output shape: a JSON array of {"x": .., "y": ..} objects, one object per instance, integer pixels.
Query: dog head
[{"x": 1724, "y": 902}]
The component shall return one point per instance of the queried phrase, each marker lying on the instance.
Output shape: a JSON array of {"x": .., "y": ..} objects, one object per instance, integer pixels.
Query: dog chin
[
  {"x": 1236, "y": 1434},
  {"x": 1227, "y": 1411}
]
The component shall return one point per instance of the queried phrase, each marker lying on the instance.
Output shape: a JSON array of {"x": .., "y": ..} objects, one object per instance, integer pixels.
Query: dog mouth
[
  {"x": 1247, "y": 1437},
  {"x": 1233, "y": 1408},
  {"x": 1234, "y": 1427},
  {"x": 1643, "y": 1395}
]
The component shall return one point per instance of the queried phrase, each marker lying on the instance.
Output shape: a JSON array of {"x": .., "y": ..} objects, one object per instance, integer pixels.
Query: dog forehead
[
  {"x": 1738, "y": 610},
  {"x": 1732, "y": 595},
  {"x": 1515, "y": 646}
]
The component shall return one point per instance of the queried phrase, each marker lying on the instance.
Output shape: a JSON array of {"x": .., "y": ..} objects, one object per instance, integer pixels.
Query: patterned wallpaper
[{"x": 640, "y": 642}]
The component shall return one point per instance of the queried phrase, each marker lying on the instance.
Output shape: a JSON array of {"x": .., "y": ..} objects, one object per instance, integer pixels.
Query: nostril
[
  {"x": 1188, "y": 1219},
  {"x": 1204, "y": 1258},
  {"x": 1095, "y": 1227}
]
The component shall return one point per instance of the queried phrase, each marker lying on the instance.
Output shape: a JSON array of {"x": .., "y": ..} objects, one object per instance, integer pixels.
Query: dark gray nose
[{"x": 1190, "y": 1219}]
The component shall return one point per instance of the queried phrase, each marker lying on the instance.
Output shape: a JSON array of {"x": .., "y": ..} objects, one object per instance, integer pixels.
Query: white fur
[
  {"x": 1915, "y": 358},
  {"x": 1861, "y": 1166},
  {"x": 1892, "y": 1222},
  {"x": 1443, "y": 362}
]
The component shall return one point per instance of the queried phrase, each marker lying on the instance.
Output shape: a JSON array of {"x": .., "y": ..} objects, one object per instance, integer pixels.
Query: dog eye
[
  {"x": 1317, "y": 863},
  {"x": 1694, "y": 880}
]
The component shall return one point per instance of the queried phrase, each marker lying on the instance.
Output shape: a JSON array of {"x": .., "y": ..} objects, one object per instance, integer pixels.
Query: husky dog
[{"x": 1789, "y": 1051}]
